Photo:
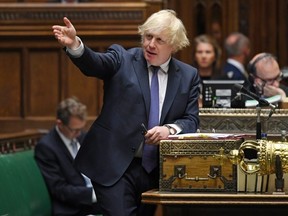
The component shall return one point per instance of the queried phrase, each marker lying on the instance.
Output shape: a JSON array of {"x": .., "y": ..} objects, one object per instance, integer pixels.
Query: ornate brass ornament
[{"x": 259, "y": 156}]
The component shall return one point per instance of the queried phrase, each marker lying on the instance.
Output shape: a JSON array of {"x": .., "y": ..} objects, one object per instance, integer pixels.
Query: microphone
[{"x": 262, "y": 102}]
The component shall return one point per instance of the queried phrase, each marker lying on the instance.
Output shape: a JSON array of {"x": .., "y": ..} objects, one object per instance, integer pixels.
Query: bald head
[
  {"x": 261, "y": 60},
  {"x": 237, "y": 44}
]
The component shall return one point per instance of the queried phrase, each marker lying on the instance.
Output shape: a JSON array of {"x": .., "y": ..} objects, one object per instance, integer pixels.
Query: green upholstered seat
[{"x": 22, "y": 187}]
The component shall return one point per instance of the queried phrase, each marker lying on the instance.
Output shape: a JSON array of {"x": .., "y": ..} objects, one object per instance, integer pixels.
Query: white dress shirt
[{"x": 67, "y": 143}]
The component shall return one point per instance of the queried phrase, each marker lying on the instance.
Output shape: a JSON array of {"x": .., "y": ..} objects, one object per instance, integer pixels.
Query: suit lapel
[
  {"x": 172, "y": 86},
  {"x": 174, "y": 77},
  {"x": 60, "y": 145},
  {"x": 140, "y": 67}
]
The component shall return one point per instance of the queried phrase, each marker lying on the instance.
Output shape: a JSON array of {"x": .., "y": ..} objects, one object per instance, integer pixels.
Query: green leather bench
[{"x": 22, "y": 188}]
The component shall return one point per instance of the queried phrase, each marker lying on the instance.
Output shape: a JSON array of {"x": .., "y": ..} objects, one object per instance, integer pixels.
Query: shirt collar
[
  {"x": 66, "y": 140},
  {"x": 236, "y": 64},
  {"x": 164, "y": 67}
]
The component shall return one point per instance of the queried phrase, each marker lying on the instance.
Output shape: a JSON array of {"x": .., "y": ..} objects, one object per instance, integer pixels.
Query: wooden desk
[{"x": 202, "y": 204}]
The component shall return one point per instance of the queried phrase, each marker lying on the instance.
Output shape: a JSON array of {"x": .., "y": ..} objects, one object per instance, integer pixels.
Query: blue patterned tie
[
  {"x": 149, "y": 156},
  {"x": 74, "y": 148}
]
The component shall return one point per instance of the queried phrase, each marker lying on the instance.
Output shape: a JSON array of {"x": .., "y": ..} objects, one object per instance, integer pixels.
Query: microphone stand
[
  {"x": 258, "y": 123},
  {"x": 261, "y": 103},
  {"x": 279, "y": 180}
]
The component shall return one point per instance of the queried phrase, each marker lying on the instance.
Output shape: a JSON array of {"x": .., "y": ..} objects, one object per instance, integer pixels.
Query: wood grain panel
[
  {"x": 35, "y": 72},
  {"x": 282, "y": 44},
  {"x": 43, "y": 83},
  {"x": 10, "y": 83},
  {"x": 86, "y": 88}
]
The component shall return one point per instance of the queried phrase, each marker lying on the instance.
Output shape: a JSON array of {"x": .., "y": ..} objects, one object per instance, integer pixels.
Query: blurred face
[
  {"x": 156, "y": 49},
  {"x": 205, "y": 55},
  {"x": 73, "y": 128}
]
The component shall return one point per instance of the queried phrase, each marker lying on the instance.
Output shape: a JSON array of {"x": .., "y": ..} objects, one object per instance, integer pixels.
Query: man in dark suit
[
  {"x": 70, "y": 191},
  {"x": 237, "y": 47},
  {"x": 118, "y": 154},
  {"x": 266, "y": 76}
]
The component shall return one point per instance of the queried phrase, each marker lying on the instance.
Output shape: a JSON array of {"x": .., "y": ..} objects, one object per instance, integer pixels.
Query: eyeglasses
[
  {"x": 271, "y": 81},
  {"x": 73, "y": 130}
]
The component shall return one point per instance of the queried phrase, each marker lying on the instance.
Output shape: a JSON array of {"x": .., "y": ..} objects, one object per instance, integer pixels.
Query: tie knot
[{"x": 154, "y": 69}]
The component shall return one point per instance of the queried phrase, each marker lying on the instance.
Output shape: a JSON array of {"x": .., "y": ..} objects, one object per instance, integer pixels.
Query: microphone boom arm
[{"x": 261, "y": 101}]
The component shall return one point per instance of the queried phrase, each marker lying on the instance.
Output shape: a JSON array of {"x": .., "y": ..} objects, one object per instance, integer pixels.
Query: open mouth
[{"x": 150, "y": 53}]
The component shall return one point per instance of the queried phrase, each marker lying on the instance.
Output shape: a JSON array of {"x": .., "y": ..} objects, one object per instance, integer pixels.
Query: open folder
[{"x": 253, "y": 103}]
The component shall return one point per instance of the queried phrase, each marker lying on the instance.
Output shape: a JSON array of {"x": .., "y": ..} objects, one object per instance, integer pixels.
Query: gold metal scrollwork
[{"x": 258, "y": 156}]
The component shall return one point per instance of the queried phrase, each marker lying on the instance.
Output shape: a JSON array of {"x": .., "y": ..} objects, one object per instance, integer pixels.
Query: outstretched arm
[{"x": 66, "y": 35}]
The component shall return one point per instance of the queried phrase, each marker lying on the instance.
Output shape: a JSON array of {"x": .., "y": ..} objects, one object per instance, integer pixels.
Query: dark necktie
[
  {"x": 74, "y": 148},
  {"x": 149, "y": 156}
]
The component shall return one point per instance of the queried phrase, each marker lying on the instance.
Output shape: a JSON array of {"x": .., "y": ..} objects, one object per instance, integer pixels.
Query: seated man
[
  {"x": 237, "y": 47},
  {"x": 71, "y": 192},
  {"x": 265, "y": 76}
]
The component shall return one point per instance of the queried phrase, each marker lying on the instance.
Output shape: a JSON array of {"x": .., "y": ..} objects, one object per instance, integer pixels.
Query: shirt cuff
[
  {"x": 175, "y": 127},
  {"x": 94, "y": 198},
  {"x": 78, "y": 51}
]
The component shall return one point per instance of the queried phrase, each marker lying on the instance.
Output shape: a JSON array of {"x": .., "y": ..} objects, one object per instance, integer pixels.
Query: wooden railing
[
  {"x": 111, "y": 18},
  {"x": 14, "y": 142}
]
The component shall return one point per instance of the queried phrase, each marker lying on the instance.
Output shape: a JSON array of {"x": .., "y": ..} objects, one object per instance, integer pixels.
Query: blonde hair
[{"x": 167, "y": 22}]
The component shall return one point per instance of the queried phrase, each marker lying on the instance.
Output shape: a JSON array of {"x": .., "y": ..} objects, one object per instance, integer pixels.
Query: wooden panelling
[
  {"x": 66, "y": 1},
  {"x": 282, "y": 32},
  {"x": 10, "y": 83},
  {"x": 35, "y": 72},
  {"x": 261, "y": 30},
  {"x": 43, "y": 83},
  {"x": 263, "y": 21},
  {"x": 91, "y": 88},
  {"x": 88, "y": 18}
]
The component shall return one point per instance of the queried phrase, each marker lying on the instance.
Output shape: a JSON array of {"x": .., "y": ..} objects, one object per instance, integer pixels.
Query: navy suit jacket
[
  {"x": 115, "y": 135},
  {"x": 66, "y": 185},
  {"x": 236, "y": 73}
]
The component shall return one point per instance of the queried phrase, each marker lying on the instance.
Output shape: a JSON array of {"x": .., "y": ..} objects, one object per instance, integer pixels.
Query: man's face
[
  {"x": 268, "y": 73},
  {"x": 73, "y": 128},
  {"x": 156, "y": 49}
]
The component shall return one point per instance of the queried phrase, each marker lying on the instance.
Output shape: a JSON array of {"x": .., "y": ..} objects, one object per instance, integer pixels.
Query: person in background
[
  {"x": 143, "y": 87},
  {"x": 265, "y": 76},
  {"x": 71, "y": 192},
  {"x": 207, "y": 59},
  {"x": 237, "y": 47}
]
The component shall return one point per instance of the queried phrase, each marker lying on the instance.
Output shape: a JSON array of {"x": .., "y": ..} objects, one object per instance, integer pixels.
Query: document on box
[{"x": 205, "y": 136}]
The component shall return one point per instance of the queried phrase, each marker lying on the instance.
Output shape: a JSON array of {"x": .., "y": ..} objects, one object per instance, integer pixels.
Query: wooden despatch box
[{"x": 197, "y": 165}]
